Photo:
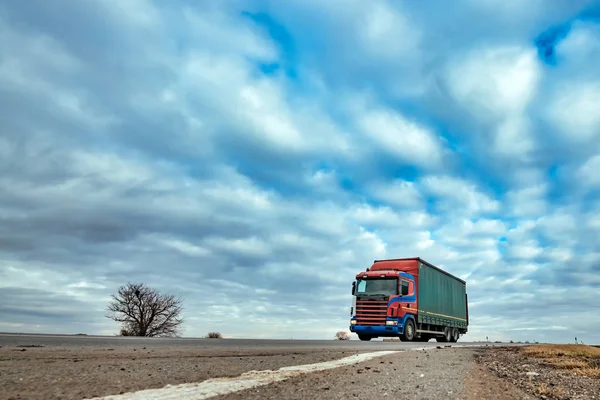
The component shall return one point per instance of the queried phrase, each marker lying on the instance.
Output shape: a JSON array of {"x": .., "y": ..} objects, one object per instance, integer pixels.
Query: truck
[{"x": 408, "y": 298}]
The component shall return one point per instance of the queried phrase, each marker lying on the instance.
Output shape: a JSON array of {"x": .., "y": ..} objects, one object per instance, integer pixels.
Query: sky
[{"x": 254, "y": 156}]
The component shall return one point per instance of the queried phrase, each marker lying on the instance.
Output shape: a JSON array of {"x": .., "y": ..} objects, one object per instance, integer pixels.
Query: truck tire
[
  {"x": 447, "y": 336},
  {"x": 455, "y": 335},
  {"x": 364, "y": 338},
  {"x": 409, "y": 331}
]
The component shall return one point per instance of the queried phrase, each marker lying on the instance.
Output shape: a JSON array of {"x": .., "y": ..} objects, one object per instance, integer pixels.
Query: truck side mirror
[{"x": 353, "y": 287}]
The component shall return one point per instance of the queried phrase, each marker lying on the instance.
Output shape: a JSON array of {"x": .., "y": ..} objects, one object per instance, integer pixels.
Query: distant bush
[
  {"x": 341, "y": 335},
  {"x": 126, "y": 332},
  {"x": 214, "y": 335}
]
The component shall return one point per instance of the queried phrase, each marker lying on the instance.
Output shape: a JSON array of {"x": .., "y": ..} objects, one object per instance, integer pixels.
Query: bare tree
[
  {"x": 144, "y": 311},
  {"x": 341, "y": 335}
]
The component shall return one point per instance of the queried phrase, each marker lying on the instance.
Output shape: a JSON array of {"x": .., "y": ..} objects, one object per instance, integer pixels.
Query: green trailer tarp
[{"x": 441, "y": 298}]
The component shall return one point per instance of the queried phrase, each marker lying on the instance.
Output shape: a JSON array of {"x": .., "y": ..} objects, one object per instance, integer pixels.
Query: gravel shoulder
[
  {"x": 432, "y": 374},
  {"x": 503, "y": 373},
  {"x": 74, "y": 373},
  {"x": 481, "y": 383}
]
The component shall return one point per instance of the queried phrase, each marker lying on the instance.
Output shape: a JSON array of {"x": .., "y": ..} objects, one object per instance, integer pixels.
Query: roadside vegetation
[
  {"x": 341, "y": 335},
  {"x": 214, "y": 335},
  {"x": 547, "y": 371},
  {"x": 581, "y": 359}
]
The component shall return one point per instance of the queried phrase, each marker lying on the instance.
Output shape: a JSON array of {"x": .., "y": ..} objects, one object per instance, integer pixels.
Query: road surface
[
  {"x": 72, "y": 341},
  {"x": 82, "y": 367}
]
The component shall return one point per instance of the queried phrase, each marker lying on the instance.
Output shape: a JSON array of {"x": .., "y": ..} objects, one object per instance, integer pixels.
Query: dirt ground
[
  {"x": 75, "y": 373},
  {"x": 482, "y": 384},
  {"x": 505, "y": 373},
  {"x": 546, "y": 372},
  {"x": 434, "y": 374}
]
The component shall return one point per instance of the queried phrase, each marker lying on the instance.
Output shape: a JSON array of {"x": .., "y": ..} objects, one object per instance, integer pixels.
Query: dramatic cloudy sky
[{"x": 252, "y": 157}]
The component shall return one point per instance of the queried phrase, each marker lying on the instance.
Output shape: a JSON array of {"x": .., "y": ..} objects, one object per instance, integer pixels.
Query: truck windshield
[{"x": 385, "y": 286}]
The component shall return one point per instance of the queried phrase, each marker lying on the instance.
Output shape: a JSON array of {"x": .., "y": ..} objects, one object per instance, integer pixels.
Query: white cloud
[
  {"x": 495, "y": 82},
  {"x": 38, "y": 63},
  {"x": 560, "y": 226},
  {"x": 385, "y": 217},
  {"x": 251, "y": 246},
  {"x": 513, "y": 138},
  {"x": 459, "y": 195},
  {"x": 397, "y": 193},
  {"x": 527, "y": 202},
  {"x": 186, "y": 247},
  {"x": 137, "y": 14},
  {"x": 574, "y": 111},
  {"x": 406, "y": 139},
  {"x": 236, "y": 36},
  {"x": 253, "y": 109},
  {"x": 471, "y": 229},
  {"x": 326, "y": 179},
  {"x": 496, "y": 86},
  {"x": 525, "y": 250},
  {"x": 581, "y": 45},
  {"x": 387, "y": 34}
]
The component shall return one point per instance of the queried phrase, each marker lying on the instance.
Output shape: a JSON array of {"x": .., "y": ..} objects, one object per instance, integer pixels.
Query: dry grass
[
  {"x": 563, "y": 350},
  {"x": 593, "y": 372},
  {"x": 567, "y": 364},
  {"x": 550, "y": 391},
  {"x": 581, "y": 359}
]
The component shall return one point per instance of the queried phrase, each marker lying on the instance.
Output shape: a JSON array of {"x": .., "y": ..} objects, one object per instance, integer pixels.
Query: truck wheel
[
  {"x": 409, "y": 331},
  {"x": 364, "y": 338},
  {"x": 455, "y": 335},
  {"x": 447, "y": 336}
]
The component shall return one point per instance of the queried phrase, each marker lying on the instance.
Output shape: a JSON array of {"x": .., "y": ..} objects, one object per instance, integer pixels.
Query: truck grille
[{"x": 371, "y": 312}]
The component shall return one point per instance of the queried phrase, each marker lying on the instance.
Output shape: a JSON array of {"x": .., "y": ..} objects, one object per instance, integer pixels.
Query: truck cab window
[
  {"x": 404, "y": 290},
  {"x": 362, "y": 286},
  {"x": 377, "y": 287}
]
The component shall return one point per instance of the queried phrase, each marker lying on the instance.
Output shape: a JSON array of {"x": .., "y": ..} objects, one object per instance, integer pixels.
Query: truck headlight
[
  {"x": 353, "y": 322},
  {"x": 391, "y": 322}
]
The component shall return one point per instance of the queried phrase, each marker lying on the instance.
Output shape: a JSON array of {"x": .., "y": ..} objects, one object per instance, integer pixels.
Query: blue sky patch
[{"x": 546, "y": 42}]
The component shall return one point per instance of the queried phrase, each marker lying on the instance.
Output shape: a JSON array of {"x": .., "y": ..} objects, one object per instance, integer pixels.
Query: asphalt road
[
  {"x": 81, "y": 367},
  {"x": 67, "y": 341}
]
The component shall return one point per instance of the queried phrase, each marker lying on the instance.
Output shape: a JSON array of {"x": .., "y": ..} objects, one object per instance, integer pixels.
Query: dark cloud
[{"x": 41, "y": 307}]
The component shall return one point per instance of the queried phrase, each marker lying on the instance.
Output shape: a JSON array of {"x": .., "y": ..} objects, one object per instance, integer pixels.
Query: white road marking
[{"x": 219, "y": 386}]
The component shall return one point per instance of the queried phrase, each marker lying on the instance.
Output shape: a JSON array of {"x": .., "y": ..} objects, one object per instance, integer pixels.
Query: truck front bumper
[{"x": 377, "y": 330}]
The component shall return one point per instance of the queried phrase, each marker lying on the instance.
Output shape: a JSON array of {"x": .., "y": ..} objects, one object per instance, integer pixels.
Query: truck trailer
[{"x": 411, "y": 299}]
